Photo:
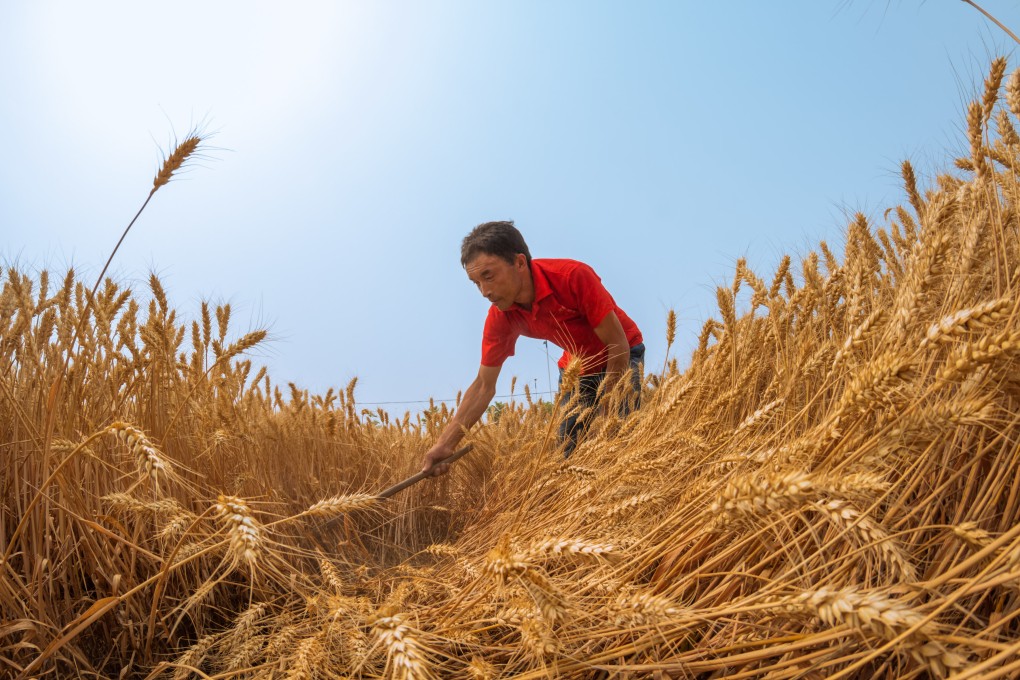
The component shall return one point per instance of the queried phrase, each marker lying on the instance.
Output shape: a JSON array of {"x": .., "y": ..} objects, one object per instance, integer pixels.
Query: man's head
[
  {"x": 494, "y": 238},
  {"x": 497, "y": 261}
]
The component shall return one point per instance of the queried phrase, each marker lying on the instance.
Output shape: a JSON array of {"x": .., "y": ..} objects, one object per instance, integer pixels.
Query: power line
[
  {"x": 426, "y": 401},
  {"x": 548, "y": 371}
]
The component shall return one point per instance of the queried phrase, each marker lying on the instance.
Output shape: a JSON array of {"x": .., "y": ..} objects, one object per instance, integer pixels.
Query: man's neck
[{"x": 527, "y": 296}]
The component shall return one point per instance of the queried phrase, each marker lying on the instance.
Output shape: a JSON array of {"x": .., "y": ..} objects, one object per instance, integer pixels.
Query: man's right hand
[{"x": 432, "y": 461}]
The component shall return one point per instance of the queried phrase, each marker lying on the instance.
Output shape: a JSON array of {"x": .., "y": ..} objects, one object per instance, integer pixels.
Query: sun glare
[{"x": 249, "y": 63}]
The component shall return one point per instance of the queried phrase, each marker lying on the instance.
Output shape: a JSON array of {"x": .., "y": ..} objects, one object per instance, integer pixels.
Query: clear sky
[{"x": 358, "y": 142}]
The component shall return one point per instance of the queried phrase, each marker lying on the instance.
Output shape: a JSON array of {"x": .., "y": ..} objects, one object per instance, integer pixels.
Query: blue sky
[{"x": 357, "y": 143}]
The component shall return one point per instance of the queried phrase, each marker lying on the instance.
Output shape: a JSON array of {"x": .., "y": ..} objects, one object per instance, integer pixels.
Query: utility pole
[{"x": 548, "y": 371}]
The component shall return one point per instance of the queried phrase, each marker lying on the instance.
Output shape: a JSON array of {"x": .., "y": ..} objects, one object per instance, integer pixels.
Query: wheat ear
[
  {"x": 175, "y": 161},
  {"x": 966, "y": 320},
  {"x": 644, "y": 608},
  {"x": 406, "y": 657},
  {"x": 338, "y": 505},
  {"x": 245, "y": 533},
  {"x": 150, "y": 461},
  {"x": 882, "y": 617}
]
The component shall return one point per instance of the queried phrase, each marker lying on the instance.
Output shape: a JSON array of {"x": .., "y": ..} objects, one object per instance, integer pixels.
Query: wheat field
[{"x": 831, "y": 489}]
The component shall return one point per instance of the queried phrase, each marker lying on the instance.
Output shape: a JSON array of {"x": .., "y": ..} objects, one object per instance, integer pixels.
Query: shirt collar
[
  {"x": 540, "y": 281},
  {"x": 541, "y": 285}
]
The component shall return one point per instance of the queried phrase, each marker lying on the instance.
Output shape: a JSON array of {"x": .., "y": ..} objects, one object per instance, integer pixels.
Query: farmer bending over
[{"x": 562, "y": 301}]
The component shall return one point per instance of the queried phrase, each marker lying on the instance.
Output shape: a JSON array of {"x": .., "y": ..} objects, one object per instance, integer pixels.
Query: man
[{"x": 562, "y": 301}]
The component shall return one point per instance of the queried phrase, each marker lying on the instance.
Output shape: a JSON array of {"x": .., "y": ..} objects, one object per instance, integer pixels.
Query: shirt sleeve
[
  {"x": 498, "y": 339},
  {"x": 593, "y": 300}
]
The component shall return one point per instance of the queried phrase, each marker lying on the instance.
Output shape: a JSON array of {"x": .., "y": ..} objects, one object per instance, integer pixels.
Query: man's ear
[{"x": 521, "y": 260}]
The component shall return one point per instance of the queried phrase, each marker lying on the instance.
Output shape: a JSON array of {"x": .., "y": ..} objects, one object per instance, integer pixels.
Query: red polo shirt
[{"x": 570, "y": 301}]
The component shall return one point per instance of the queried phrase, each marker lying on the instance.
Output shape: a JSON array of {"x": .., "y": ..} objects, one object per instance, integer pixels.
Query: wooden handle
[{"x": 422, "y": 475}]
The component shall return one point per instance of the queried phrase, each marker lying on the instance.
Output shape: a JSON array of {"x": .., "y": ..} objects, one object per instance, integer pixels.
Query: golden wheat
[{"x": 827, "y": 487}]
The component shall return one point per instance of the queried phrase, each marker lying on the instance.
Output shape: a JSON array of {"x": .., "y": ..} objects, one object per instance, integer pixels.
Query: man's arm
[
  {"x": 472, "y": 405},
  {"x": 611, "y": 333}
]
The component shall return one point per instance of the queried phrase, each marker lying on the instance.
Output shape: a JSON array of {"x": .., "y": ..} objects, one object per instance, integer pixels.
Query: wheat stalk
[
  {"x": 151, "y": 463},
  {"x": 566, "y": 546},
  {"x": 175, "y": 161},
  {"x": 882, "y": 617},
  {"x": 192, "y": 658},
  {"x": 643, "y": 608},
  {"x": 307, "y": 659},
  {"x": 748, "y": 496},
  {"x": 845, "y": 516},
  {"x": 245, "y": 534},
  {"x": 988, "y": 350},
  {"x": 967, "y": 320},
  {"x": 339, "y": 505},
  {"x": 331, "y": 575},
  {"x": 860, "y": 334},
  {"x": 405, "y": 655}
]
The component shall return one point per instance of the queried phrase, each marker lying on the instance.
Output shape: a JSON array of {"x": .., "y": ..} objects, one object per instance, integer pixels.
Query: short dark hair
[{"x": 494, "y": 238}]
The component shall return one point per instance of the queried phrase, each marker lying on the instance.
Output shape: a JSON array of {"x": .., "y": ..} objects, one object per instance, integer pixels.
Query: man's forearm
[
  {"x": 619, "y": 362},
  {"x": 611, "y": 333},
  {"x": 476, "y": 399}
]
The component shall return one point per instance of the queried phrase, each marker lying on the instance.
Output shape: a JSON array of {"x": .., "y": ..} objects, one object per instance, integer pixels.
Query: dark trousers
[{"x": 573, "y": 427}]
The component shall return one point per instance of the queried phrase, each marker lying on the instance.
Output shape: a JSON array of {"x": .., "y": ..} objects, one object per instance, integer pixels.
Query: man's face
[{"x": 500, "y": 282}]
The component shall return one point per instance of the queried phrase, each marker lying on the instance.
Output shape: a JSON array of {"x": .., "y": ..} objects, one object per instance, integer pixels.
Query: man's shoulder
[{"x": 563, "y": 266}]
